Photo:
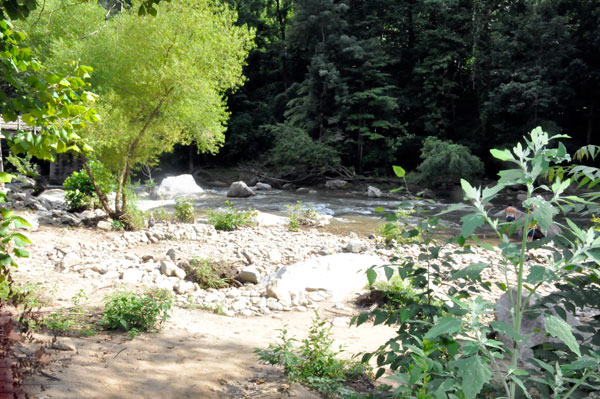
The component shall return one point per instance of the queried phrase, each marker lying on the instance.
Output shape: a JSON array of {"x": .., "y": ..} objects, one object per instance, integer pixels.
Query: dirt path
[{"x": 197, "y": 354}]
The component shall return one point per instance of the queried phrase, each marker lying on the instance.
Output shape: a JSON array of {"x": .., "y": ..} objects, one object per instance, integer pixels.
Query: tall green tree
[{"x": 169, "y": 90}]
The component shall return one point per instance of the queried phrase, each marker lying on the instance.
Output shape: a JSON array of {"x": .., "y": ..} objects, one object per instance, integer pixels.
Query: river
[{"x": 350, "y": 211}]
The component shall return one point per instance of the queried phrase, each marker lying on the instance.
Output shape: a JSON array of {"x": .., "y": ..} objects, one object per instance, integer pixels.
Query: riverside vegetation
[{"x": 446, "y": 346}]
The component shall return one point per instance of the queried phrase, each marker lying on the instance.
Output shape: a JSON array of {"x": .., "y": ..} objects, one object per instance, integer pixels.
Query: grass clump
[
  {"x": 398, "y": 231},
  {"x": 315, "y": 363},
  {"x": 73, "y": 321},
  {"x": 136, "y": 312},
  {"x": 301, "y": 216},
  {"x": 232, "y": 218},
  {"x": 184, "y": 210},
  {"x": 209, "y": 273}
]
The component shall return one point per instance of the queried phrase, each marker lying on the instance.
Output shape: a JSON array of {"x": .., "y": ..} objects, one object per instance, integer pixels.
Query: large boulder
[
  {"x": 239, "y": 189},
  {"x": 177, "y": 186},
  {"x": 340, "y": 274},
  {"x": 54, "y": 198},
  {"x": 532, "y": 327}
]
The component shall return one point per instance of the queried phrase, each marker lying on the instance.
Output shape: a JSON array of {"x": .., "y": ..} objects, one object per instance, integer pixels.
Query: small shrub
[
  {"x": 398, "y": 230},
  {"x": 80, "y": 193},
  {"x": 232, "y": 218},
  {"x": 184, "y": 210},
  {"x": 208, "y": 273},
  {"x": 142, "y": 312},
  {"x": 117, "y": 225},
  {"x": 133, "y": 219},
  {"x": 28, "y": 295},
  {"x": 71, "y": 321},
  {"x": 314, "y": 363},
  {"x": 445, "y": 163},
  {"x": 302, "y": 216}
]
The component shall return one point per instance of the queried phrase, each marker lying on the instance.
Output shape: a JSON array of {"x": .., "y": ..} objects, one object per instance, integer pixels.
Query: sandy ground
[{"x": 196, "y": 355}]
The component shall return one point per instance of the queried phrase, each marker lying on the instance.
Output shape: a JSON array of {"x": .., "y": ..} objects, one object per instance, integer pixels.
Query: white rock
[
  {"x": 373, "y": 192},
  {"x": 104, "y": 225},
  {"x": 263, "y": 186},
  {"x": 341, "y": 274},
  {"x": 132, "y": 276},
  {"x": 239, "y": 305},
  {"x": 179, "y": 273},
  {"x": 167, "y": 267},
  {"x": 183, "y": 287},
  {"x": 355, "y": 246},
  {"x": 250, "y": 274},
  {"x": 175, "y": 186}
]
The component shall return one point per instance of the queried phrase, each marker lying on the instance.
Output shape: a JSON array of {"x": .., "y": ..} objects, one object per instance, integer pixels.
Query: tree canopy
[
  {"x": 368, "y": 81},
  {"x": 161, "y": 79}
]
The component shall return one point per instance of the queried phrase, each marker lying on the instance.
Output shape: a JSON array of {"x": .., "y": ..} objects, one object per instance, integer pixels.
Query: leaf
[
  {"x": 506, "y": 329},
  {"x": 503, "y": 155},
  {"x": 474, "y": 373},
  {"x": 470, "y": 192},
  {"x": 389, "y": 272},
  {"x": 399, "y": 171},
  {"x": 444, "y": 325},
  {"x": 562, "y": 330},
  {"x": 371, "y": 276},
  {"x": 538, "y": 274},
  {"x": 470, "y": 223},
  {"x": 543, "y": 212},
  {"x": 471, "y": 272}
]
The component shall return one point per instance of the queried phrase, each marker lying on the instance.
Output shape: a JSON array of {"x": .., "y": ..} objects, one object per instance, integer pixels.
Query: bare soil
[{"x": 197, "y": 354}]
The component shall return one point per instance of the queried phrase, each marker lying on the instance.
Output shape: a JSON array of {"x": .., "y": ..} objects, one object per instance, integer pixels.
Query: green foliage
[
  {"x": 445, "y": 345},
  {"x": 24, "y": 165},
  {"x": 139, "y": 312},
  {"x": 596, "y": 222},
  {"x": 79, "y": 190},
  {"x": 207, "y": 273},
  {"x": 73, "y": 321},
  {"x": 301, "y": 216},
  {"x": 397, "y": 230},
  {"x": 232, "y": 218},
  {"x": 117, "y": 225},
  {"x": 445, "y": 163},
  {"x": 29, "y": 295},
  {"x": 315, "y": 363},
  {"x": 296, "y": 153},
  {"x": 155, "y": 96},
  {"x": 184, "y": 210}
]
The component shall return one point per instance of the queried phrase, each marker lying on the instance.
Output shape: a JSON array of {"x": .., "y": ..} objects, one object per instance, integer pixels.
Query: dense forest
[{"x": 354, "y": 86}]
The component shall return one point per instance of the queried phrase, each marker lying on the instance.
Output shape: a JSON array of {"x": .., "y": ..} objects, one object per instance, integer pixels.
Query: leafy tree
[
  {"x": 445, "y": 162},
  {"x": 168, "y": 91},
  {"x": 58, "y": 104}
]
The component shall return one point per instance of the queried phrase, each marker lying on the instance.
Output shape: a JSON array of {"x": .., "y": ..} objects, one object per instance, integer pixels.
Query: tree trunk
[
  {"x": 99, "y": 193},
  {"x": 590, "y": 126}
]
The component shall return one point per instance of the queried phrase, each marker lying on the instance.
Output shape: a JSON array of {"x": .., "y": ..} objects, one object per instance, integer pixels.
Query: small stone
[
  {"x": 104, "y": 225},
  {"x": 63, "y": 344},
  {"x": 132, "y": 276},
  {"x": 250, "y": 274}
]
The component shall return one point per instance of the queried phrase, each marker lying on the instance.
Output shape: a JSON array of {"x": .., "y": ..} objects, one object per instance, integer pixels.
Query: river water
[{"x": 350, "y": 211}]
